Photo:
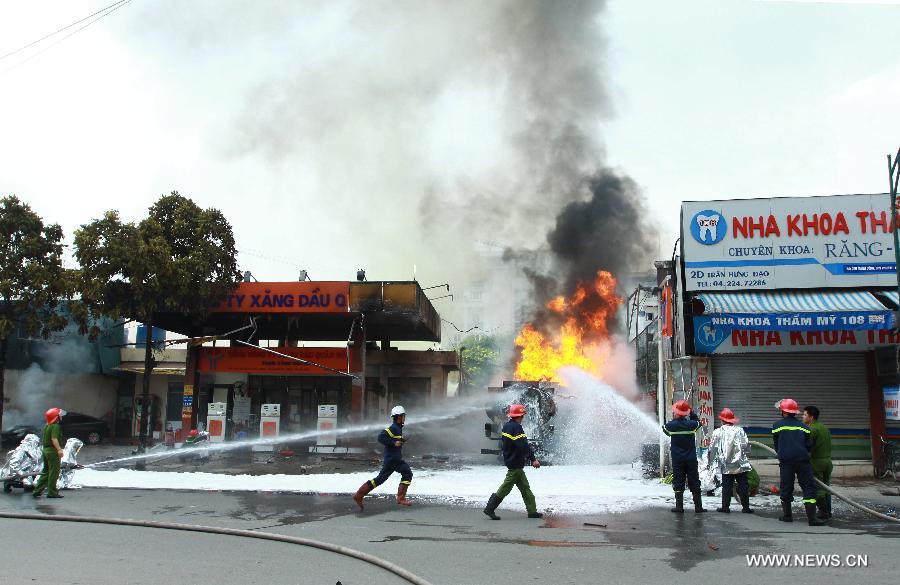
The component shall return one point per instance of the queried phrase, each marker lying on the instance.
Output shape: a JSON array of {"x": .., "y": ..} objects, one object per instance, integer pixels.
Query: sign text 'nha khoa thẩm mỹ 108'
[{"x": 789, "y": 242}]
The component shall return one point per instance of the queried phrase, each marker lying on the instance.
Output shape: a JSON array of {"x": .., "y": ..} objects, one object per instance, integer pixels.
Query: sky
[{"x": 340, "y": 135}]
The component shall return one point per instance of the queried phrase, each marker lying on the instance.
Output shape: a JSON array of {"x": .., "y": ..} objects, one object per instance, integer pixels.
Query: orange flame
[{"x": 586, "y": 315}]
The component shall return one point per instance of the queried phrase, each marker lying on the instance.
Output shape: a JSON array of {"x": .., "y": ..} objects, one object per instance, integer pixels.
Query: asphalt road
[{"x": 443, "y": 543}]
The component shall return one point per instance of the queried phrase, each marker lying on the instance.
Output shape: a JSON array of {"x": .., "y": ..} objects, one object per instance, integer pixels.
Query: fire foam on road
[{"x": 566, "y": 489}]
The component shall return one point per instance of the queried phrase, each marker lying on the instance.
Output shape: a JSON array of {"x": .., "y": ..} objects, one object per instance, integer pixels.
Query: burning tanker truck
[{"x": 540, "y": 408}]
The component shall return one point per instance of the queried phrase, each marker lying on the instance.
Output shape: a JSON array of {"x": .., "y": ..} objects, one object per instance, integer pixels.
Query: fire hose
[
  {"x": 341, "y": 550},
  {"x": 836, "y": 493}
]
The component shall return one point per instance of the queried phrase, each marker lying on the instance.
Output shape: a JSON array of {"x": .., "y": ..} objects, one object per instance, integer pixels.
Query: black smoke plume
[{"x": 608, "y": 231}]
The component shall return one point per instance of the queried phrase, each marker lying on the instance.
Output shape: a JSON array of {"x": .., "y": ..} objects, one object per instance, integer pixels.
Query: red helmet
[
  {"x": 728, "y": 416},
  {"x": 193, "y": 433},
  {"x": 788, "y": 405},
  {"x": 53, "y": 415},
  {"x": 516, "y": 410},
  {"x": 681, "y": 408}
]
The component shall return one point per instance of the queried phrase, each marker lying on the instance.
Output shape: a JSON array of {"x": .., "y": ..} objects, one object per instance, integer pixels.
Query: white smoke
[
  {"x": 44, "y": 383},
  {"x": 436, "y": 124}
]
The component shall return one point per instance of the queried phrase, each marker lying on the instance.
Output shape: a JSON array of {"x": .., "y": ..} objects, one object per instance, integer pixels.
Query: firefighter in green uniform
[
  {"x": 51, "y": 454},
  {"x": 820, "y": 457}
]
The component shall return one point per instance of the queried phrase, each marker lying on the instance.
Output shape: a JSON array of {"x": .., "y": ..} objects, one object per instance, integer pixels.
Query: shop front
[
  {"x": 246, "y": 378},
  {"x": 301, "y": 355},
  {"x": 792, "y": 297}
]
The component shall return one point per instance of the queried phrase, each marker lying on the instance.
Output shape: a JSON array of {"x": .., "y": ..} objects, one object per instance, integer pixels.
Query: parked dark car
[
  {"x": 89, "y": 429},
  {"x": 12, "y": 437}
]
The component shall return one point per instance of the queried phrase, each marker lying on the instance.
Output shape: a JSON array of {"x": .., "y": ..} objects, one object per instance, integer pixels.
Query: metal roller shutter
[{"x": 750, "y": 385}]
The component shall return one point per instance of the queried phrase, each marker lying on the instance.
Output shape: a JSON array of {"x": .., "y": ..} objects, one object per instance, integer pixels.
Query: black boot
[
  {"x": 726, "y": 502},
  {"x": 535, "y": 515},
  {"x": 786, "y": 515},
  {"x": 824, "y": 505},
  {"x": 679, "y": 503},
  {"x": 745, "y": 503},
  {"x": 811, "y": 515},
  {"x": 492, "y": 504},
  {"x": 698, "y": 502}
]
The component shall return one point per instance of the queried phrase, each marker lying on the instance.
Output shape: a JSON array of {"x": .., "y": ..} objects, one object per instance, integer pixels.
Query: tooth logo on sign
[
  {"x": 709, "y": 227},
  {"x": 707, "y": 335}
]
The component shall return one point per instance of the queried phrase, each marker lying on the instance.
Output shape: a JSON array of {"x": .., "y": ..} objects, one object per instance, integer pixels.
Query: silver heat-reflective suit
[
  {"x": 68, "y": 463},
  {"x": 25, "y": 461},
  {"x": 729, "y": 450}
]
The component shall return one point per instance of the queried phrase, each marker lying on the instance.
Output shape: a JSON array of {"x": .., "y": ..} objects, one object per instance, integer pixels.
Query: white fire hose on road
[
  {"x": 342, "y": 550},
  {"x": 836, "y": 493}
]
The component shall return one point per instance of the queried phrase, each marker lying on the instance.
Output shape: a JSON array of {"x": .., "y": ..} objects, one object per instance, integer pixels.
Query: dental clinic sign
[{"x": 789, "y": 242}]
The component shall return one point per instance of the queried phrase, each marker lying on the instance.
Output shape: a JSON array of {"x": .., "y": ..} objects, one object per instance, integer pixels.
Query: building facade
[
  {"x": 788, "y": 297},
  {"x": 298, "y": 345}
]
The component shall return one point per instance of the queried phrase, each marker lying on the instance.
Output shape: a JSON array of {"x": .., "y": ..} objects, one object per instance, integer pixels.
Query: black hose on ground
[
  {"x": 341, "y": 550},
  {"x": 836, "y": 493}
]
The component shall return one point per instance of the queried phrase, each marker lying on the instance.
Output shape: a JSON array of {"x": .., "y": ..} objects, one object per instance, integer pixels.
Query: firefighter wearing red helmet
[
  {"x": 51, "y": 454},
  {"x": 681, "y": 429},
  {"x": 729, "y": 447},
  {"x": 794, "y": 444},
  {"x": 516, "y": 452}
]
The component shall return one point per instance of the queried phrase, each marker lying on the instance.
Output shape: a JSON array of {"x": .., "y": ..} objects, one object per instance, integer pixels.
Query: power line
[
  {"x": 56, "y": 32},
  {"x": 103, "y": 14}
]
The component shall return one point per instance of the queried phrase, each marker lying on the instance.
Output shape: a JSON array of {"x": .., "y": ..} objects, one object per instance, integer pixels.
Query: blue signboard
[{"x": 806, "y": 321}]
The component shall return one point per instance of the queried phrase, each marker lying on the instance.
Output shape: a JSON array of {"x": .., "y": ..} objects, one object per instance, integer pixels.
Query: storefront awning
[
  {"x": 891, "y": 296},
  {"x": 796, "y": 310}
]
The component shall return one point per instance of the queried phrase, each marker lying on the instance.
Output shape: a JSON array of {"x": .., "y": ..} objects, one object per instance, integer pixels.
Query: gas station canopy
[{"x": 318, "y": 311}]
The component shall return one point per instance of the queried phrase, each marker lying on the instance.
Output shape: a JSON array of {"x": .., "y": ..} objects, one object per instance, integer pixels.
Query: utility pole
[{"x": 894, "y": 178}]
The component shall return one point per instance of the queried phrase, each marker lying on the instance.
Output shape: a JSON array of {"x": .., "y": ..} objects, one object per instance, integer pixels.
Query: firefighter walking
[
  {"x": 793, "y": 444},
  {"x": 51, "y": 454},
  {"x": 682, "y": 429},
  {"x": 392, "y": 439},
  {"x": 516, "y": 453}
]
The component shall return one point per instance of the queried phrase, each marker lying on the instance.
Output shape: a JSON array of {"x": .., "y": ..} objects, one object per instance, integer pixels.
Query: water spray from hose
[{"x": 460, "y": 407}]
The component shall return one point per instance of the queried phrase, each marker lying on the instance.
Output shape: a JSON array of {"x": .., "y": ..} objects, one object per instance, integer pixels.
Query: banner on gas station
[
  {"x": 287, "y": 297},
  {"x": 249, "y": 360}
]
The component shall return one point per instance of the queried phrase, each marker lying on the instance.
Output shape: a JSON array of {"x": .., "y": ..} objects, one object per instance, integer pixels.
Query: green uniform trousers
[
  {"x": 516, "y": 477},
  {"x": 822, "y": 471},
  {"x": 49, "y": 475}
]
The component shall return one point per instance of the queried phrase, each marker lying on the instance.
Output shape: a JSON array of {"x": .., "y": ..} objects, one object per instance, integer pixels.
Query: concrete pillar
[
  {"x": 383, "y": 378},
  {"x": 191, "y": 388},
  {"x": 438, "y": 383},
  {"x": 358, "y": 384}
]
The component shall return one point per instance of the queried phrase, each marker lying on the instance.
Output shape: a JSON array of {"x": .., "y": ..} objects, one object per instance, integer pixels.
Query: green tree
[
  {"x": 32, "y": 278},
  {"x": 180, "y": 258},
  {"x": 478, "y": 355}
]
